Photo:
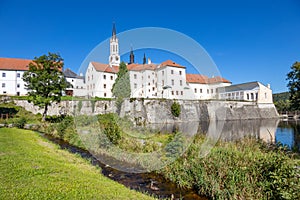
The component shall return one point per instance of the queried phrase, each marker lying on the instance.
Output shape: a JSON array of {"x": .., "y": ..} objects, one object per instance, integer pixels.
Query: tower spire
[
  {"x": 131, "y": 57},
  {"x": 114, "y": 31},
  {"x": 114, "y": 57},
  {"x": 144, "y": 59}
]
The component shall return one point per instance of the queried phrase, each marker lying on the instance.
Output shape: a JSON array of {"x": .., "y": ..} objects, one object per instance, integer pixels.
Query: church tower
[{"x": 114, "y": 57}]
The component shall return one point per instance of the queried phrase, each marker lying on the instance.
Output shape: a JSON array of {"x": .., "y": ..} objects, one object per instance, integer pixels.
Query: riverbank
[
  {"x": 245, "y": 169},
  {"x": 33, "y": 168}
]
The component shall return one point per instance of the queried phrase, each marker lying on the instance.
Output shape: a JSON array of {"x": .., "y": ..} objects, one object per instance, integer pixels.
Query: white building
[
  {"x": 11, "y": 73},
  {"x": 164, "y": 80},
  {"x": 204, "y": 87},
  {"x": 148, "y": 80},
  {"x": 78, "y": 88},
  {"x": 12, "y": 84},
  {"x": 252, "y": 91},
  {"x": 100, "y": 79}
]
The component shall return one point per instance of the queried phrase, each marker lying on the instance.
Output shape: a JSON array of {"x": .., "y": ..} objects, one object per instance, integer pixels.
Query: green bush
[
  {"x": 110, "y": 127},
  {"x": 20, "y": 122},
  {"x": 175, "y": 109}
]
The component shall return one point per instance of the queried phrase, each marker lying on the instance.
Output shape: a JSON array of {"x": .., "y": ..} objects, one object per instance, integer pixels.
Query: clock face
[{"x": 117, "y": 58}]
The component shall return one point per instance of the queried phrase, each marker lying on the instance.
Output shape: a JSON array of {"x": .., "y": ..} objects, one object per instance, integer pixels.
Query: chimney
[{"x": 149, "y": 61}]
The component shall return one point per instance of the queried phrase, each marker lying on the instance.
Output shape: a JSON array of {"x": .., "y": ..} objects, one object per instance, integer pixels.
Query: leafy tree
[
  {"x": 294, "y": 86},
  {"x": 121, "y": 88},
  {"x": 45, "y": 81}
]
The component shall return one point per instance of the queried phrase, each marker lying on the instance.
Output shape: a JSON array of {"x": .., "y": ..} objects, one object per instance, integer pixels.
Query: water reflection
[
  {"x": 269, "y": 130},
  {"x": 288, "y": 133}
]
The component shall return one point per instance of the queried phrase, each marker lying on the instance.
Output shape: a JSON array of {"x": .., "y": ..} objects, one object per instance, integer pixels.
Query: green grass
[{"x": 33, "y": 168}]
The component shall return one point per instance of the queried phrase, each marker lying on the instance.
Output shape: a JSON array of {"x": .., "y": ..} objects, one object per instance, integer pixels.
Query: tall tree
[
  {"x": 294, "y": 86},
  {"x": 121, "y": 88},
  {"x": 45, "y": 81}
]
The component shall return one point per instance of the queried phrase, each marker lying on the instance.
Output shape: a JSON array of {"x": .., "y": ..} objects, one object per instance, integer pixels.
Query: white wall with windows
[
  {"x": 99, "y": 83},
  {"x": 253, "y": 91},
  {"x": 11, "y": 82}
]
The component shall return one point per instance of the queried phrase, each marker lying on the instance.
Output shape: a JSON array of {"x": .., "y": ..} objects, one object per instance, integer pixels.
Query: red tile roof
[
  {"x": 170, "y": 63},
  {"x": 14, "y": 64},
  {"x": 105, "y": 67},
  {"x": 143, "y": 67},
  {"x": 218, "y": 79},
  {"x": 198, "y": 78}
]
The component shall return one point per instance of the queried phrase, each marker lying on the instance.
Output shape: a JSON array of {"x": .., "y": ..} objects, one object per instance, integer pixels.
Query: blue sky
[{"x": 248, "y": 40}]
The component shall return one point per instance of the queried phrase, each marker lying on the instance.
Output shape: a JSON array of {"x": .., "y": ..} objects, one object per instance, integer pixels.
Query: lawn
[{"x": 33, "y": 168}]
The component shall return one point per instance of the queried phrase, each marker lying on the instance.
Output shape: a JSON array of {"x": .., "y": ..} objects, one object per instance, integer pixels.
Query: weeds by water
[{"x": 237, "y": 170}]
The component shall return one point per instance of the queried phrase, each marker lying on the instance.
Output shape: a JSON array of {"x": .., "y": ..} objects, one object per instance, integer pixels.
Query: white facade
[
  {"x": 78, "y": 86},
  {"x": 252, "y": 91},
  {"x": 11, "y": 82},
  {"x": 100, "y": 79}
]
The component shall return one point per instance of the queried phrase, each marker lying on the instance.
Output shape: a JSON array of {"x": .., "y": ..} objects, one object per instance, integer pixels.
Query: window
[
  {"x": 18, "y": 75},
  {"x": 149, "y": 76},
  {"x": 181, "y": 92},
  {"x": 94, "y": 86},
  {"x": 148, "y": 83},
  {"x": 111, "y": 77},
  {"x": 172, "y": 71},
  {"x": 172, "y": 81},
  {"x": 180, "y": 72},
  {"x": 4, "y": 92},
  {"x": 207, "y": 91},
  {"x": 134, "y": 76},
  {"x": 3, "y": 74},
  {"x": 104, "y": 94},
  {"x": 92, "y": 77},
  {"x": 172, "y": 92},
  {"x": 266, "y": 96},
  {"x": 180, "y": 82},
  {"x": 177, "y": 93},
  {"x": 153, "y": 88},
  {"x": 18, "y": 93},
  {"x": 200, "y": 90},
  {"x": 88, "y": 78},
  {"x": 104, "y": 86},
  {"x": 18, "y": 85},
  {"x": 163, "y": 82},
  {"x": 135, "y": 86},
  {"x": 252, "y": 96},
  {"x": 212, "y": 91},
  {"x": 104, "y": 76},
  {"x": 162, "y": 73},
  {"x": 153, "y": 81},
  {"x": 3, "y": 85},
  {"x": 247, "y": 96},
  {"x": 195, "y": 90}
]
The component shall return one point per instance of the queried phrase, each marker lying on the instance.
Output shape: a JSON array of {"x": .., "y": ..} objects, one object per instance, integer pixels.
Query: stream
[{"x": 161, "y": 189}]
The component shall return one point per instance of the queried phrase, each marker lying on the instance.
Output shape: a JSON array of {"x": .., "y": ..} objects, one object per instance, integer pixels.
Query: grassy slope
[{"x": 32, "y": 168}]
